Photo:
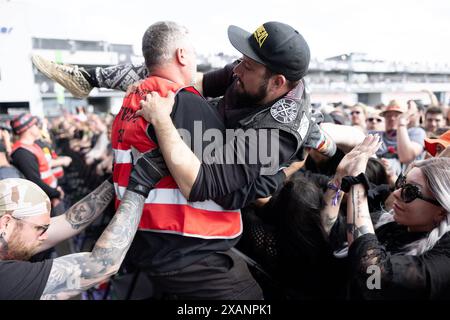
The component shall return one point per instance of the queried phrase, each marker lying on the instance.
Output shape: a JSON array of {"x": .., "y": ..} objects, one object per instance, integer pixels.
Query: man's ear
[
  {"x": 180, "y": 55},
  {"x": 278, "y": 81},
  {"x": 4, "y": 220}
]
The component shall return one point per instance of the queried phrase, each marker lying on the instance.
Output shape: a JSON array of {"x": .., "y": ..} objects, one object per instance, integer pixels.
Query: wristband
[
  {"x": 349, "y": 181},
  {"x": 335, "y": 199}
]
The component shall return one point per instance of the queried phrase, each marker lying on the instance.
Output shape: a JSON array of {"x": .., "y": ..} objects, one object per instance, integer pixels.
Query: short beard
[
  {"x": 246, "y": 99},
  {"x": 17, "y": 249}
]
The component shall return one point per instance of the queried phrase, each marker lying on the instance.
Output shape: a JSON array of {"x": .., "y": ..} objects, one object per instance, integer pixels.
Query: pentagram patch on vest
[{"x": 284, "y": 110}]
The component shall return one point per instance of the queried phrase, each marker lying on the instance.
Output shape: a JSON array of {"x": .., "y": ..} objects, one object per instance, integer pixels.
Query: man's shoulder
[
  {"x": 23, "y": 279},
  {"x": 190, "y": 93},
  {"x": 15, "y": 267},
  {"x": 190, "y": 100},
  {"x": 21, "y": 151}
]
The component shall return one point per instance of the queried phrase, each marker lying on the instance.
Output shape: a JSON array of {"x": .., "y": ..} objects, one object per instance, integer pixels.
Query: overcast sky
[{"x": 409, "y": 30}]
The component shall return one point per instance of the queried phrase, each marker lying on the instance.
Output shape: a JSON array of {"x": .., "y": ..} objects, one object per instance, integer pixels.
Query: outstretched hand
[
  {"x": 356, "y": 160},
  {"x": 156, "y": 108}
]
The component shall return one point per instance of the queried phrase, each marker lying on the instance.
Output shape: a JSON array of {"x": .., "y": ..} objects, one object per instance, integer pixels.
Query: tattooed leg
[{"x": 117, "y": 77}]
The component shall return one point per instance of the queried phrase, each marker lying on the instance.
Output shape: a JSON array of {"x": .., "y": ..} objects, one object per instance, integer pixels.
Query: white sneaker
[{"x": 69, "y": 76}]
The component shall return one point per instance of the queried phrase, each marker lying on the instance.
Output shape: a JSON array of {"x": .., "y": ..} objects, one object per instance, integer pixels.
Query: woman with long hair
[{"x": 407, "y": 254}]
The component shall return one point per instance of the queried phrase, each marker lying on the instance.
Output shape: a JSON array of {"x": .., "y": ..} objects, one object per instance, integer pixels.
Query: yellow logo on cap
[{"x": 261, "y": 35}]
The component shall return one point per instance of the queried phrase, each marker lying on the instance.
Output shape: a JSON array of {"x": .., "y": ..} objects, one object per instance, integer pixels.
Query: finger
[
  {"x": 171, "y": 95},
  {"x": 155, "y": 94}
]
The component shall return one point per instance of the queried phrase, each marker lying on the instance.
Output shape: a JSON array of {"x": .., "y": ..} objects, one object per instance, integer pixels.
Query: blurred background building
[{"x": 346, "y": 78}]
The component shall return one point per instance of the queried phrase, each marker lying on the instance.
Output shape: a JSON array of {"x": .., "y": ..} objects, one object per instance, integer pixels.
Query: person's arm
[
  {"x": 215, "y": 83},
  {"x": 359, "y": 221},
  {"x": 63, "y": 161},
  {"x": 332, "y": 198},
  {"x": 434, "y": 102},
  {"x": 260, "y": 190},
  {"x": 352, "y": 164},
  {"x": 181, "y": 161},
  {"x": 407, "y": 149},
  {"x": 214, "y": 179},
  {"x": 262, "y": 187},
  {"x": 345, "y": 137},
  {"x": 79, "y": 216},
  {"x": 74, "y": 273},
  {"x": 26, "y": 162}
]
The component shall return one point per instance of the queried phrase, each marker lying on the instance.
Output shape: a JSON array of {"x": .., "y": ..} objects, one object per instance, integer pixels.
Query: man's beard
[
  {"x": 245, "y": 99},
  {"x": 18, "y": 250}
]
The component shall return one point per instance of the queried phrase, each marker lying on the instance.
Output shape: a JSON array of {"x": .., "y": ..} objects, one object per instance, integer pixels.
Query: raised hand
[
  {"x": 356, "y": 160},
  {"x": 156, "y": 108}
]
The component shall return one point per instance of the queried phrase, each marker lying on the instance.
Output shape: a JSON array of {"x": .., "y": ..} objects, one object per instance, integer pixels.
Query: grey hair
[
  {"x": 160, "y": 41},
  {"x": 437, "y": 175}
]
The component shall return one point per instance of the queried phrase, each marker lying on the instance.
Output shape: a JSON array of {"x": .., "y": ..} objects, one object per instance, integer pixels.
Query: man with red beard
[{"x": 26, "y": 229}]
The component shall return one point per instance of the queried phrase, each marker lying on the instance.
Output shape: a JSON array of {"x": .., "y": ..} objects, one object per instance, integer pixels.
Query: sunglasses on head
[
  {"x": 374, "y": 119},
  {"x": 41, "y": 228},
  {"x": 411, "y": 192}
]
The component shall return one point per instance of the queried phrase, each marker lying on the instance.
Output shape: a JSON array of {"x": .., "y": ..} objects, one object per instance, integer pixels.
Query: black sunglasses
[
  {"x": 411, "y": 192},
  {"x": 41, "y": 228},
  {"x": 374, "y": 119},
  {"x": 355, "y": 112}
]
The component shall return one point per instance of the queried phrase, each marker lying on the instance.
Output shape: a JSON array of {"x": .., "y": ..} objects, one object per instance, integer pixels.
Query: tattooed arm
[
  {"x": 74, "y": 273},
  {"x": 353, "y": 163},
  {"x": 358, "y": 216},
  {"x": 79, "y": 216},
  {"x": 330, "y": 212}
]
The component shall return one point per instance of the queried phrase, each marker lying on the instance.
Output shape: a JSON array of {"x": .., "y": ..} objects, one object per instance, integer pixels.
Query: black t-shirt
[{"x": 23, "y": 280}]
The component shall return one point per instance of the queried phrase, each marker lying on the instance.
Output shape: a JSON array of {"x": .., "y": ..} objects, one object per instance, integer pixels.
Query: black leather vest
[{"x": 291, "y": 114}]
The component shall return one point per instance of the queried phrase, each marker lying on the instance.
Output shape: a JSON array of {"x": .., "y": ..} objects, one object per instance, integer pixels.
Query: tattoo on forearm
[
  {"x": 74, "y": 273},
  {"x": 354, "y": 229},
  {"x": 84, "y": 211}
]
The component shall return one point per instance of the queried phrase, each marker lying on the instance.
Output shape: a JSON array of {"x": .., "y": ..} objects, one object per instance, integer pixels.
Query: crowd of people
[{"x": 356, "y": 207}]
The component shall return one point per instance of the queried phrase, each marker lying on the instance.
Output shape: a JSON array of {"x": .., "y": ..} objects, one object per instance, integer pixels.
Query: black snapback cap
[{"x": 276, "y": 45}]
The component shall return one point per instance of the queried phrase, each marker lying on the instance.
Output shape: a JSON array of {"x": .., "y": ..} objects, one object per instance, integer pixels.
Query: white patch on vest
[
  {"x": 304, "y": 126},
  {"x": 284, "y": 110}
]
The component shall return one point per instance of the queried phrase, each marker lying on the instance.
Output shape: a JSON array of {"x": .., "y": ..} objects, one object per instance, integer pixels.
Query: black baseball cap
[{"x": 276, "y": 45}]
